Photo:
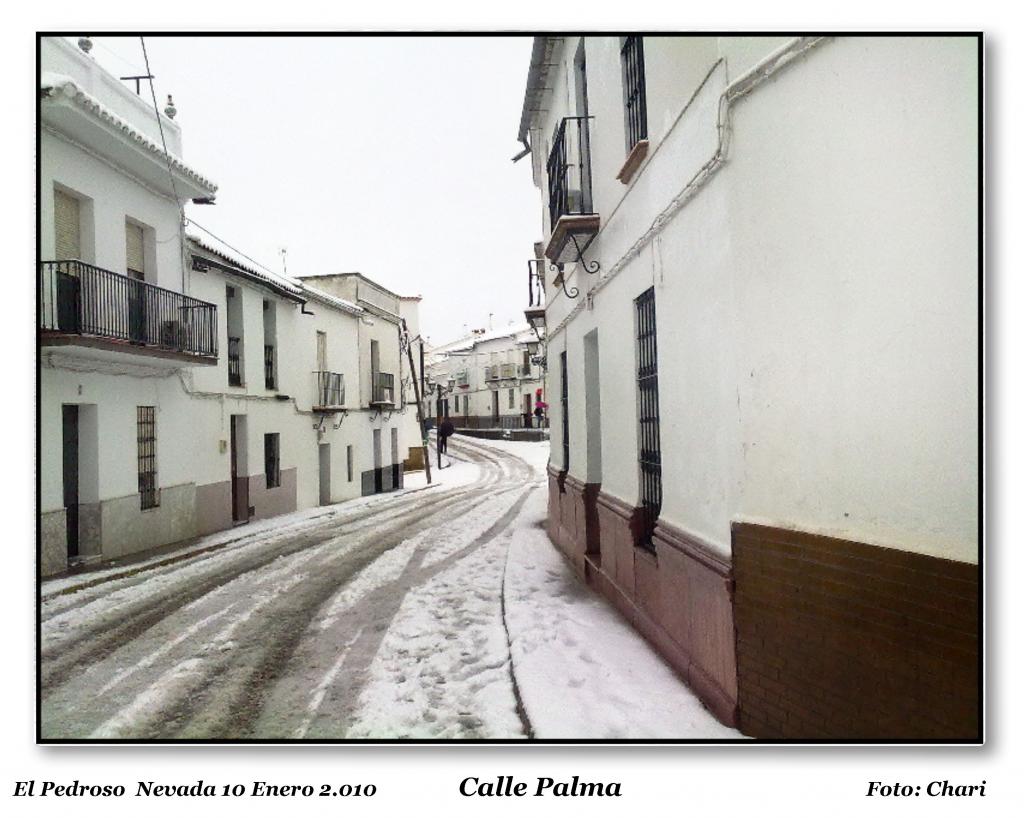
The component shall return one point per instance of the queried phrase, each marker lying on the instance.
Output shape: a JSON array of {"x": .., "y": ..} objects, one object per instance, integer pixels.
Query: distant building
[
  {"x": 760, "y": 263},
  {"x": 488, "y": 379}
]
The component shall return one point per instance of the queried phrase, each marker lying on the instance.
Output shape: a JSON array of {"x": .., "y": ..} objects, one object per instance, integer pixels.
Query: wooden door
[
  {"x": 70, "y": 469},
  {"x": 325, "y": 473},
  {"x": 239, "y": 481}
]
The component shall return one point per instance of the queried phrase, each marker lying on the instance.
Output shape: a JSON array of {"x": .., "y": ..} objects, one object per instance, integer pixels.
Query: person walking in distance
[{"x": 445, "y": 431}]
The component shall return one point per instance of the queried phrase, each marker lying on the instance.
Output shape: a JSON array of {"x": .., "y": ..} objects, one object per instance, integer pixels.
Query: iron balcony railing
[
  {"x": 535, "y": 278},
  {"x": 383, "y": 388},
  {"x": 269, "y": 370},
  {"x": 518, "y": 421},
  {"x": 569, "y": 189},
  {"x": 330, "y": 389},
  {"x": 234, "y": 361},
  {"x": 490, "y": 373},
  {"x": 462, "y": 379},
  {"x": 77, "y": 298}
]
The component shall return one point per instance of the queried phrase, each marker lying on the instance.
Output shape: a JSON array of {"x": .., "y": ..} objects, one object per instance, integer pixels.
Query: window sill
[{"x": 633, "y": 161}]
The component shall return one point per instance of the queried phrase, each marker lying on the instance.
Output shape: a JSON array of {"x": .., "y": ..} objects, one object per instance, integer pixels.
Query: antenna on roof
[
  {"x": 284, "y": 259},
  {"x": 138, "y": 80}
]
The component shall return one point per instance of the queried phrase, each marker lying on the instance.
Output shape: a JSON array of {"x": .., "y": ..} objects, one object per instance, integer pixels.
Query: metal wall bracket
[
  {"x": 560, "y": 280},
  {"x": 593, "y": 266}
]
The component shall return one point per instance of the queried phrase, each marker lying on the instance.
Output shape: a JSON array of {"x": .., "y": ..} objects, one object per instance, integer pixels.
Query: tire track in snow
[
  {"x": 182, "y": 704},
  {"x": 93, "y": 642},
  {"x": 232, "y": 706},
  {"x": 383, "y": 605}
]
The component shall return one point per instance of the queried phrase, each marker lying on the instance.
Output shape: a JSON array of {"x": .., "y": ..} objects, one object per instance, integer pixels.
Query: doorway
[
  {"x": 70, "y": 470},
  {"x": 325, "y": 473},
  {"x": 378, "y": 464},
  {"x": 396, "y": 465},
  {"x": 239, "y": 471}
]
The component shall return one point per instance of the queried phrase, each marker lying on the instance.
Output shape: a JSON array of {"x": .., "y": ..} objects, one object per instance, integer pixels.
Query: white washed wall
[
  {"x": 115, "y": 196},
  {"x": 816, "y": 299}
]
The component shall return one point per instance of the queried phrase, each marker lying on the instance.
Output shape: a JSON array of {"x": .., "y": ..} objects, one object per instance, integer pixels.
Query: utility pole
[
  {"x": 423, "y": 371},
  {"x": 419, "y": 403}
]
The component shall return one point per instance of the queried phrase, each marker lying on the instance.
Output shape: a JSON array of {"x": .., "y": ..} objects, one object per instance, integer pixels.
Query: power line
[
  {"x": 167, "y": 157},
  {"x": 230, "y": 247}
]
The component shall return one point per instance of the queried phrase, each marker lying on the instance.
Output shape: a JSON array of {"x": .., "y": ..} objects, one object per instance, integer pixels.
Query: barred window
[
  {"x": 634, "y": 90},
  {"x": 649, "y": 443},
  {"x": 149, "y": 495},
  {"x": 272, "y": 459},
  {"x": 511, "y": 398}
]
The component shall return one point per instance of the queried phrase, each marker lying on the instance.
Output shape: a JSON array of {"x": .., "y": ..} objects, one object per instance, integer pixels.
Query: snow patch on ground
[
  {"x": 535, "y": 452},
  {"x": 381, "y": 571},
  {"x": 442, "y": 669},
  {"x": 582, "y": 671},
  {"x": 457, "y": 472}
]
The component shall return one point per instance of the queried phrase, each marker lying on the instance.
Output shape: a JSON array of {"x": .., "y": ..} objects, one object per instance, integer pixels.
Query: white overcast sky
[{"x": 390, "y": 156}]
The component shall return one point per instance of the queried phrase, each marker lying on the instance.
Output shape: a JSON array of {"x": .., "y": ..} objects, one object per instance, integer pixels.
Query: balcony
[
  {"x": 382, "y": 389},
  {"x": 490, "y": 373},
  {"x": 507, "y": 371},
  {"x": 570, "y": 201},
  {"x": 330, "y": 391},
  {"x": 534, "y": 313},
  {"x": 462, "y": 379},
  {"x": 83, "y": 305}
]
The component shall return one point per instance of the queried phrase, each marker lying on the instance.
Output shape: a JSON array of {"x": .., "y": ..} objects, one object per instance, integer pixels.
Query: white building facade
[
  {"x": 489, "y": 379},
  {"x": 182, "y": 390},
  {"x": 762, "y": 284}
]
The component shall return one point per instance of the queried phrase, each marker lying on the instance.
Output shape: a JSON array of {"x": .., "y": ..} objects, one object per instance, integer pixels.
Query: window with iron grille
[
  {"x": 649, "y": 443},
  {"x": 565, "y": 411},
  {"x": 146, "y": 436},
  {"x": 272, "y": 459},
  {"x": 634, "y": 90},
  {"x": 234, "y": 362},
  {"x": 511, "y": 398}
]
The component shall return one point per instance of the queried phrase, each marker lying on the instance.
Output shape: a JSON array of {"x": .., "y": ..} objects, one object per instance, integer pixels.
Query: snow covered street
[{"x": 434, "y": 612}]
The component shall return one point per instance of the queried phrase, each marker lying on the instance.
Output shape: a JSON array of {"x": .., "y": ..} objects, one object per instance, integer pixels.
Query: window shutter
[
  {"x": 136, "y": 262},
  {"x": 67, "y": 226}
]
